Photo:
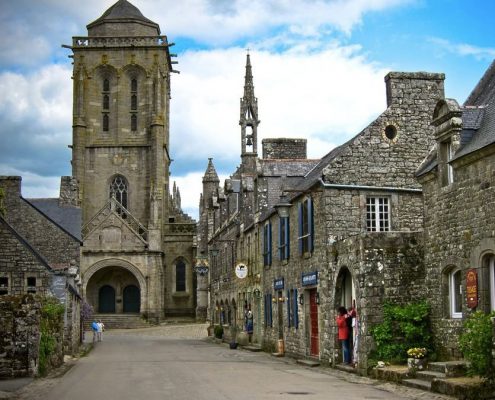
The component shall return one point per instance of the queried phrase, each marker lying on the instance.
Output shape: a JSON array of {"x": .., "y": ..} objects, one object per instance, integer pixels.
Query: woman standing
[{"x": 343, "y": 329}]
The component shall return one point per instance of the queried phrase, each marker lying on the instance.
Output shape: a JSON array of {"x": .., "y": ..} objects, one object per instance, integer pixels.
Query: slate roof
[
  {"x": 68, "y": 218},
  {"x": 122, "y": 10}
]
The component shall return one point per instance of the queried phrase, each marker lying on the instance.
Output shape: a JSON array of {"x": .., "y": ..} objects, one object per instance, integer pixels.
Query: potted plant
[
  {"x": 417, "y": 359},
  {"x": 233, "y": 337},
  {"x": 218, "y": 332}
]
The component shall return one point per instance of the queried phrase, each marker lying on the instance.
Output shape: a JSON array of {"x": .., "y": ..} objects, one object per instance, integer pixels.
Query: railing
[
  {"x": 120, "y": 41},
  {"x": 125, "y": 215}
]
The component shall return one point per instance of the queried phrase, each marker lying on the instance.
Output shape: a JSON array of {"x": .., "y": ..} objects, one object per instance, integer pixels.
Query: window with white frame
[
  {"x": 378, "y": 214},
  {"x": 455, "y": 293},
  {"x": 490, "y": 259}
]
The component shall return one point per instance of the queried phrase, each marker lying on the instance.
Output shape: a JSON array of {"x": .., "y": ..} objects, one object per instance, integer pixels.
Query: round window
[{"x": 391, "y": 132}]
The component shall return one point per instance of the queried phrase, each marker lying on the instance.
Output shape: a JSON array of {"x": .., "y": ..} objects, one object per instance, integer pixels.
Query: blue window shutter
[
  {"x": 288, "y": 308},
  {"x": 296, "y": 316},
  {"x": 311, "y": 225},
  {"x": 300, "y": 228},
  {"x": 269, "y": 243},
  {"x": 270, "y": 315},
  {"x": 287, "y": 238},
  {"x": 280, "y": 239}
]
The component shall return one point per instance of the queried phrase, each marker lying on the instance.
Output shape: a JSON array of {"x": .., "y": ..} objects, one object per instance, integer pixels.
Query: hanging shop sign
[
  {"x": 309, "y": 278},
  {"x": 241, "y": 270},
  {"x": 278, "y": 284},
  {"x": 472, "y": 288}
]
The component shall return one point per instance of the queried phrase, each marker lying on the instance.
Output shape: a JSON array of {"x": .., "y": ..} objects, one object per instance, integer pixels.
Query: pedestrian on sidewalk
[
  {"x": 249, "y": 324},
  {"x": 100, "y": 329},
  {"x": 94, "y": 328},
  {"x": 343, "y": 333}
]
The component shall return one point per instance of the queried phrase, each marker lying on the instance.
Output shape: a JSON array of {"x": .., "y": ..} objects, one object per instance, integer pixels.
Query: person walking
[
  {"x": 249, "y": 324},
  {"x": 100, "y": 329},
  {"x": 94, "y": 329},
  {"x": 343, "y": 333}
]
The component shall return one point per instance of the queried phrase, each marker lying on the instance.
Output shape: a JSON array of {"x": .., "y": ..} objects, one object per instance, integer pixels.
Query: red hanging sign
[{"x": 472, "y": 288}]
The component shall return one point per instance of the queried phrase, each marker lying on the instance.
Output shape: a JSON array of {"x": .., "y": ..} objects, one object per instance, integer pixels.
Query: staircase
[
  {"x": 119, "y": 321},
  {"x": 436, "y": 372}
]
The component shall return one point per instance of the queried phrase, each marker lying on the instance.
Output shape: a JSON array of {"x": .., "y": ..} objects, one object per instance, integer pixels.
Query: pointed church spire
[
  {"x": 249, "y": 114},
  {"x": 210, "y": 174}
]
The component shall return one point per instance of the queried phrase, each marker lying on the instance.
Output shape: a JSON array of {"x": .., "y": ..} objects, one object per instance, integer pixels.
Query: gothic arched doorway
[
  {"x": 132, "y": 299},
  {"x": 106, "y": 299}
]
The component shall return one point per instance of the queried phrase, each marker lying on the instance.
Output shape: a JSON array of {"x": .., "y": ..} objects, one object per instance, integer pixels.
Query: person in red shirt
[{"x": 344, "y": 333}]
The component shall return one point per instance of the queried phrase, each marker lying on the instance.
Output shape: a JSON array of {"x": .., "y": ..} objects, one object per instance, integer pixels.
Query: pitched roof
[
  {"x": 122, "y": 11},
  {"x": 68, "y": 218}
]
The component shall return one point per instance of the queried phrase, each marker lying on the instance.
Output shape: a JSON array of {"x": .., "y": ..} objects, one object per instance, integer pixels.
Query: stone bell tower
[{"x": 120, "y": 159}]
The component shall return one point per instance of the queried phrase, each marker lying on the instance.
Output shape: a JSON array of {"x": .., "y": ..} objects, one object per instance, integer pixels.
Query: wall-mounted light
[
  {"x": 301, "y": 299},
  {"x": 317, "y": 298},
  {"x": 283, "y": 206},
  {"x": 257, "y": 293},
  {"x": 281, "y": 299},
  {"x": 214, "y": 252}
]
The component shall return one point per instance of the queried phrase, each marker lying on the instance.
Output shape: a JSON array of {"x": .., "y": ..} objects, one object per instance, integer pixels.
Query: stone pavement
[{"x": 182, "y": 362}]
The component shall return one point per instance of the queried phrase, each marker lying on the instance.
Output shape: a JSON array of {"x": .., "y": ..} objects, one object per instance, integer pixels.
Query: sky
[{"x": 318, "y": 69}]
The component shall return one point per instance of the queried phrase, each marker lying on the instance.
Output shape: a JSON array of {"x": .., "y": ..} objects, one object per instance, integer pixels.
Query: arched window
[
  {"x": 119, "y": 190},
  {"x": 455, "y": 292},
  {"x": 134, "y": 104},
  {"x": 105, "y": 105},
  {"x": 180, "y": 276}
]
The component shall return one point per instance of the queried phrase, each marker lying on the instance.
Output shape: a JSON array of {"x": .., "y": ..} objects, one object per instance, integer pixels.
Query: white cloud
[
  {"x": 324, "y": 96},
  {"x": 34, "y": 185},
  {"x": 464, "y": 49}
]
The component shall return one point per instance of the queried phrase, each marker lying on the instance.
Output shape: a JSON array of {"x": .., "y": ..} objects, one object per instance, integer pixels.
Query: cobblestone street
[{"x": 179, "y": 362}]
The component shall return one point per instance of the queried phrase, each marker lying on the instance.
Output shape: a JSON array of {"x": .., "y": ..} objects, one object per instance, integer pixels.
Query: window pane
[
  {"x": 133, "y": 122},
  {"x": 133, "y": 102},
  {"x": 106, "y": 85},
  {"x": 457, "y": 287},
  {"x": 105, "y": 123},
  {"x": 180, "y": 277},
  {"x": 134, "y": 85}
]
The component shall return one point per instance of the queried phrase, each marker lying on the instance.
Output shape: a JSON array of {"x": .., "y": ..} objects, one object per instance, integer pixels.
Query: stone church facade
[{"x": 137, "y": 253}]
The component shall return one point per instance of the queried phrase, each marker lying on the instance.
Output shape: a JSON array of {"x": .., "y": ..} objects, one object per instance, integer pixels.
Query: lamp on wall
[
  {"x": 283, "y": 206},
  {"x": 257, "y": 293},
  {"x": 301, "y": 299},
  {"x": 317, "y": 298},
  {"x": 214, "y": 252}
]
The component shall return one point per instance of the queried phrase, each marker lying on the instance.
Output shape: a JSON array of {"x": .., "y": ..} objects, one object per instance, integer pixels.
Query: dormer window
[{"x": 446, "y": 156}]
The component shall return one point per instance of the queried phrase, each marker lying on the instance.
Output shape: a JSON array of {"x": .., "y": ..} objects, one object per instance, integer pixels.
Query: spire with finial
[
  {"x": 210, "y": 174},
  {"x": 249, "y": 113}
]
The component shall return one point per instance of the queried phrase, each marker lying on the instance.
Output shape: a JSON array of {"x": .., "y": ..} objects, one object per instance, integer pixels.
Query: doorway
[
  {"x": 106, "y": 299},
  {"x": 313, "y": 318},
  {"x": 132, "y": 299}
]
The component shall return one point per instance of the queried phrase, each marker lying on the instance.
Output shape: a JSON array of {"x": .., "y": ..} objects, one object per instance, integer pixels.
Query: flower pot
[{"x": 416, "y": 364}]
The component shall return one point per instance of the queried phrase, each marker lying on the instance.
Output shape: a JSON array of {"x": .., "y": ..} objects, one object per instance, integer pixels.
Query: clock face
[{"x": 241, "y": 270}]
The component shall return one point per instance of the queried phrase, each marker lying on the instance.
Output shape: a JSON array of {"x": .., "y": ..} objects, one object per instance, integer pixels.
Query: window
[
  {"x": 267, "y": 244},
  {"x": 491, "y": 267},
  {"x": 119, "y": 191},
  {"x": 134, "y": 104},
  {"x": 455, "y": 293},
  {"x": 180, "y": 277},
  {"x": 292, "y": 307},
  {"x": 446, "y": 156},
  {"x": 106, "y": 105},
  {"x": 4, "y": 285},
  {"x": 268, "y": 311},
  {"x": 31, "y": 284},
  {"x": 283, "y": 239},
  {"x": 377, "y": 214},
  {"x": 306, "y": 226}
]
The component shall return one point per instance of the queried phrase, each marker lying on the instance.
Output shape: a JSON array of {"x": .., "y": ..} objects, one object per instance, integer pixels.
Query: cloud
[
  {"x": 464, "y": 49},
  {"x": 35, "y": 111},
  {"x": 34, "y": 185},
  {"x": 326, "y": 95}
]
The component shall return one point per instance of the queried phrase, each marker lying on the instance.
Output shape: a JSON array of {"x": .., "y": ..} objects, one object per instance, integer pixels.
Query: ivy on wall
[{"x": 51, "y": 332}]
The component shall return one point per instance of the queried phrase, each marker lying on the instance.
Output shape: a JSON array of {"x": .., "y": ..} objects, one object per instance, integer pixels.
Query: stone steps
[
  {"x": 119, "y": 321},
  {"x": 430, "y": 375},
  {"x": 417, "y": 384}
]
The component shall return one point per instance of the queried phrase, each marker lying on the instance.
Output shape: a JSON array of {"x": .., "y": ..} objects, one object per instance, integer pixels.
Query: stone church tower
[{"x": 137, "y": 253}]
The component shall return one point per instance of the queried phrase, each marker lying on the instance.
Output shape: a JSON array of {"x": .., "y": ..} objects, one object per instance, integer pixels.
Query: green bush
[
  {"x": 218, "y": 331},
  {"x": 476, "y": 343},
  {"x": 403, "y": 327},
  {"x": 52, "y": 313}
]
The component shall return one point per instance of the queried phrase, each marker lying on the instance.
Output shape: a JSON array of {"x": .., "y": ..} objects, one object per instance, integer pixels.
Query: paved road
[{"x": 173, "y": 363}]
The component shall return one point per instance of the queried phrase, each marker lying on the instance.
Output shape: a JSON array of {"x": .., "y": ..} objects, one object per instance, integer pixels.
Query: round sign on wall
[{"x": 241, "y": 270}]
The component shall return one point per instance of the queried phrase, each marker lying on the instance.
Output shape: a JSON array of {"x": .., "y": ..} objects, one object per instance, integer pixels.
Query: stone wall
[
  {"x": 19, "y": 333},
  {"x": 459, "y": 230}
]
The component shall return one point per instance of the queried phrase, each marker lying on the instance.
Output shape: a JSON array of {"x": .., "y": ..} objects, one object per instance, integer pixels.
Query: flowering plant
[{"x": 417, "y": 352}]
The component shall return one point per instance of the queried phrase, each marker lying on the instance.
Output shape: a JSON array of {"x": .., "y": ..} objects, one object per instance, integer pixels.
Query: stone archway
[{"x": 115, "y": 286}]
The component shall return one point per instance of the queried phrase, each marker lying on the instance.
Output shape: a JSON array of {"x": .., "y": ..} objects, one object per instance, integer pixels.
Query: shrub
[
  {"x": 476, "y": 343},
  {"x": 218, "y": 331},
  {"x": 403, "y": 328},
  {"x": 51, "y": 326}
]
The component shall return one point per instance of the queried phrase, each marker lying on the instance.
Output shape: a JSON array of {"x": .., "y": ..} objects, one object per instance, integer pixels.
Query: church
[{"x": 137, "y": 245}]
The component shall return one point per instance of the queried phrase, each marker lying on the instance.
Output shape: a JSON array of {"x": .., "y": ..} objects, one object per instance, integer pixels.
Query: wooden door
[{"x": 313, "y": 317}]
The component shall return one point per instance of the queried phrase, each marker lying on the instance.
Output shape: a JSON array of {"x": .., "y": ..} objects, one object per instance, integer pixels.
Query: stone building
[
  {"x": 137, "y": 253},
  {"x": 319, "y": 234},
  {"x": 39, "y": 254},
  {"x": 458, "y": 179}
]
